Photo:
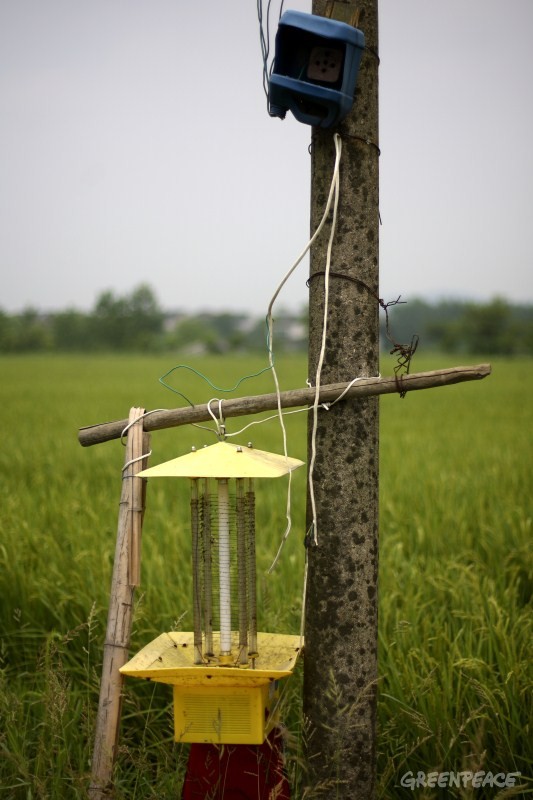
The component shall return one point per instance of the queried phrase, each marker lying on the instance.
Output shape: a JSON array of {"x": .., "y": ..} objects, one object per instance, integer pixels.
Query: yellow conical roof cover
[{"x": 224, "y": 460}]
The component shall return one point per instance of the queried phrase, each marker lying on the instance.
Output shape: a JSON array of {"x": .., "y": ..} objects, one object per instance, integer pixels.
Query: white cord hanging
[
  {"x": 335, "y": 188},
  {"x": 333, "y": 196},
  {"x": 220, "y": 423}
]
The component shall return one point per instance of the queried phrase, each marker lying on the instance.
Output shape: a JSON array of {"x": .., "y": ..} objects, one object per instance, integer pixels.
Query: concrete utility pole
[{"x": 340, "y": 664}]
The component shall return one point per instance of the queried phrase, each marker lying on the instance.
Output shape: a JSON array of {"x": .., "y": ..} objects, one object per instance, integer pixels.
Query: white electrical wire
[
  {"x": 221, "y": 427},
  {"x": 332, "y": 196},
  {"x": 135, "y": 421},
  {"x": 134, "y": 461},
  {"x": 327, "y": 406},
  {"x": 127, "y": 428},
  {"x": 335, "y": 189},
  {"x": 332, "y": 190}
]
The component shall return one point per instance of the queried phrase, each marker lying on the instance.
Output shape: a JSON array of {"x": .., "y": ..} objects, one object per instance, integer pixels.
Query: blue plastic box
[{"x": 315, "y": 68}]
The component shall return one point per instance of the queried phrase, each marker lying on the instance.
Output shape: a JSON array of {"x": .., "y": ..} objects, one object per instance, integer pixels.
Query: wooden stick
[
  {"x": 238, "y": 407},
  {"x": 138, "y": 496},
  {"x": 120, "y": 613}
]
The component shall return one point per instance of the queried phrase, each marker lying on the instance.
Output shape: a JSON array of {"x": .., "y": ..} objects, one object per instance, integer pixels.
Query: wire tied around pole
[{"x": 405, "y": 352}]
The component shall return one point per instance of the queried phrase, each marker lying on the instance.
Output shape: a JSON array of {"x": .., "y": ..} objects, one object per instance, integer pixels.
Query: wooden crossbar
[{"x": 364, "y": 387}]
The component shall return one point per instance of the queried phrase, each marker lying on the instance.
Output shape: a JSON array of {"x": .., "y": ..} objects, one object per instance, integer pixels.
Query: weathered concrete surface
[{"x": 341, "y": 611}]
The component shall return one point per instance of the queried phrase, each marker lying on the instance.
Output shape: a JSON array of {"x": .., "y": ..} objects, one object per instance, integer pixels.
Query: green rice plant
[
  {"x": 455, "y": 571},
  {"x": 455, "y": 582}
]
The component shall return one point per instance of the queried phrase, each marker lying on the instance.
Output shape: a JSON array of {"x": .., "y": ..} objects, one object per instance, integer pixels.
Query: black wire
[{"x": 264, "y": 38}]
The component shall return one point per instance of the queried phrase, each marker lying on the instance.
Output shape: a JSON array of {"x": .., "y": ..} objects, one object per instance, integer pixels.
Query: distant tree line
[
  {"x": 136, "y": 323},
  {"x": 493, "y": 328}
]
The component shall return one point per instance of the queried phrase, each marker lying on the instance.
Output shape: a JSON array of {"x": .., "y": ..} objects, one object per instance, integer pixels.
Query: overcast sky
[{"x": 135, "y": 146}]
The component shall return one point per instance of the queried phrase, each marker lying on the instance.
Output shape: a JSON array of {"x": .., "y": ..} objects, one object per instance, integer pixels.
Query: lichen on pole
[{"x": 340, "y": 666}]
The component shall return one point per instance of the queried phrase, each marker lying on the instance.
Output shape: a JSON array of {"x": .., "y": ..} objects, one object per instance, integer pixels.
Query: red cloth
[{"x": 237, "y": 771}]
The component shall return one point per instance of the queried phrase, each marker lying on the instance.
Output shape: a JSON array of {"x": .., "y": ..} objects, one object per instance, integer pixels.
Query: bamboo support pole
[
  {"x": 140, "y": 445},
  {"x": 294, "y": 398},
  {"x": 126, "y": 573}
]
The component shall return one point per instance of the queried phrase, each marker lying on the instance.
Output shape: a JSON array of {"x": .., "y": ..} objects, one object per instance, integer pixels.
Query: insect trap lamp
[
  {"x": 315, "y": 68},
  {"x": 224, "y": 673}
]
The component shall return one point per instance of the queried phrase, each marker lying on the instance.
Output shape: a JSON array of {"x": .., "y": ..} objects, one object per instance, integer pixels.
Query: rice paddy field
[{"x": 455, "y": 657}]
